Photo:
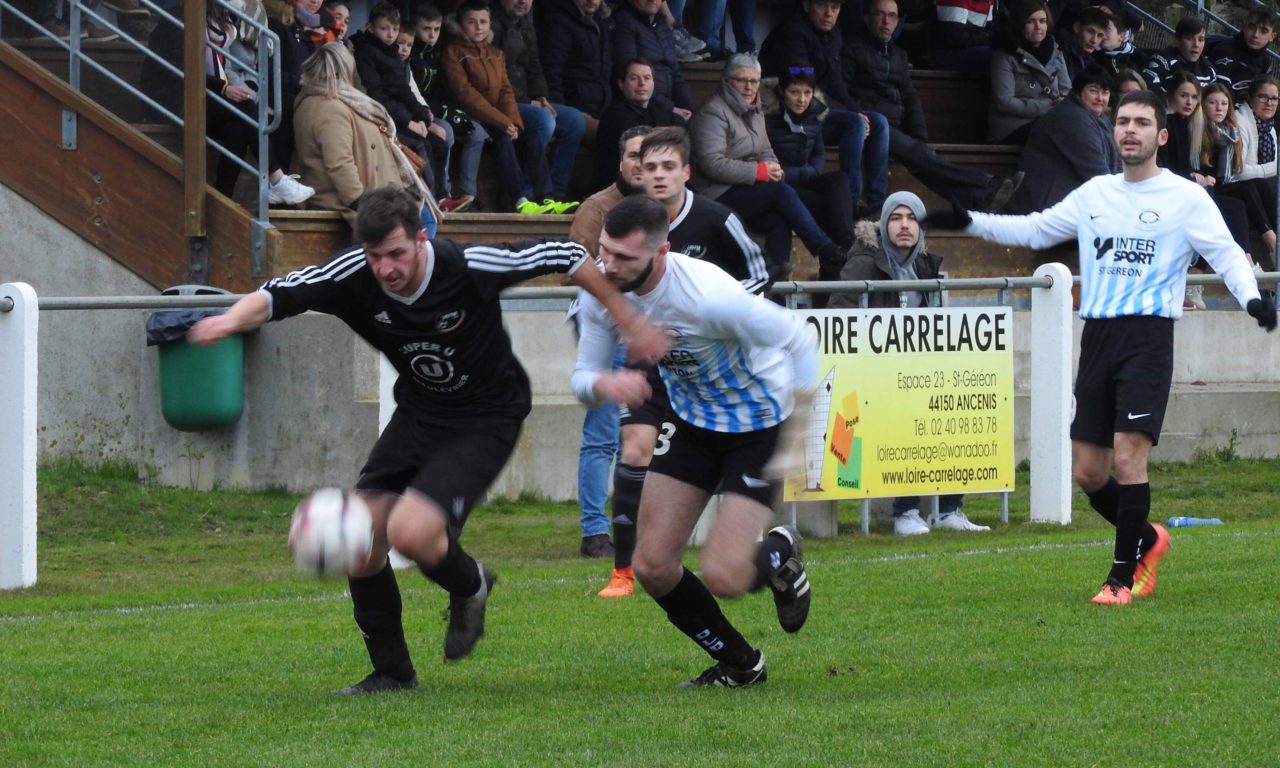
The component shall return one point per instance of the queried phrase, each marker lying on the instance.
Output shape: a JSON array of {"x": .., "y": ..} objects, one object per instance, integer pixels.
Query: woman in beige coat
[
  {"x": 734, "y": 164},
  {"x": 344, "y": 139}
]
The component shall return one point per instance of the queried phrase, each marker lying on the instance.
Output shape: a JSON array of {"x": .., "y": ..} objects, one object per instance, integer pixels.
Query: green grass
[{"x": 168, "y": 628}]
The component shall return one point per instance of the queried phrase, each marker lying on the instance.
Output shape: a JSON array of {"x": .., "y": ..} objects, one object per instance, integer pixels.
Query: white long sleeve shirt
[
  {"x": 1136, "y": 241},
  {"x": 736, "y": 360}
]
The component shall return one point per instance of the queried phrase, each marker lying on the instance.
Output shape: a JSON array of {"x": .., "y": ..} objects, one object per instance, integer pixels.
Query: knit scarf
[
  {"x": 313, "y": 25},
  {"x": 370, "y": 110},
  {"x": 1042, "y": 52},
  {"x": 1266, "y": 140}
]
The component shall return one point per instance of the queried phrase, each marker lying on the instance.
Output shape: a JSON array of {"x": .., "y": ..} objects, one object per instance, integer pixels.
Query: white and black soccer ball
[{"x": 331, "y": 533}]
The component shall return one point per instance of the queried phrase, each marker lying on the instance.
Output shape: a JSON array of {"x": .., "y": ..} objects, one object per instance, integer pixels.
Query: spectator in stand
[
  {"x": 1188, "y": 133},
  {"x": 895, "y": 250},
  {"x": 476, "y": 72},
  {"x": 559, "y": 126},
  {"x": 295, "y": 24},
  {"x": 1221, "y": 159},
  {"x": 734, "y": 164},
  {"x": 1082, "y": 43},
  {"x": 634, "y": 104},
  {"x": 811, "y": 37},
  {"x": 1243, "y": 57},
  {"x": 344, "y": 137},
  {"x": 879, "y": 76},
  {"x": 385, "y": 77},
  {"x": 462, "y": 133},
  {"x": 1257, "y": 120},
  {"x": 639, "y": 33},
  {"x": 1125, "y": 81},
  {"x": 1118, "y": 50},
  {"x": 231, "y": 109},
  {"x": 1069, "y": 145},
  {"x": 1028, "y": 74},
  {"x": 793, "y": 118},
  {"x": 1186, "y": 55},
  {"x": 576, "y": 42},
  {"x": 336, "y": 16},
  {"x": 960, "y": 36},
  {"x": 438, "y": 142}
]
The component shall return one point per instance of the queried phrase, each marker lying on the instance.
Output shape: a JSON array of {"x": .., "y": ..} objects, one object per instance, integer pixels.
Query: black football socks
[
  {"x": 693, "y": 610},
  {"x": 1133, "y": 507},
  {"x": 377, "y": 608},
  {"x": 458, "y": 573},
  {"x": 1106, "y": 502},
  {"x": 628, "y": 480}
]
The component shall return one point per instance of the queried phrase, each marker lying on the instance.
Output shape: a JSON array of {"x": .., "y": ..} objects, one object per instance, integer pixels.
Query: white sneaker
[
  {"x": 909, "y": 524},
  {"x": 288, "y": 191},
  {"x": 1194, "y": 297},
  {"x": 956, "y": 521}
]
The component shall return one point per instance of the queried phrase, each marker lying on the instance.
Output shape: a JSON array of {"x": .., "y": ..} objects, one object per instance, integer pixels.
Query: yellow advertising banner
[{"x": 911, "y": 402}]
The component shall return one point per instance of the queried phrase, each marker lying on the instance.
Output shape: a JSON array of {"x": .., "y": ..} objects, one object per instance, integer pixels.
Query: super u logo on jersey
[{"x": 432, "y": 368}]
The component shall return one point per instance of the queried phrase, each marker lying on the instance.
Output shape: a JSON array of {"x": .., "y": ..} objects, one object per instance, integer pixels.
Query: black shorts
[
  {"x": 652, "y": 412},
  {"x": 451, "y": 462},
  {"x": 719, "y": 462},
  {"x": 1126, "y": 368}
]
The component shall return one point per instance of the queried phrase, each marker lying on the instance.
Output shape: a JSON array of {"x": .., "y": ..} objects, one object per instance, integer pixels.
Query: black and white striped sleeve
[
  {"x": 752, "y": 256},
  {"x": 316, "y": 288},
  {"x": 504, "y": 264}
]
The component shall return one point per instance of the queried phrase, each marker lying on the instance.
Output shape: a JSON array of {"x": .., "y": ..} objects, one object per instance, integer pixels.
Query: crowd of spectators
[{"x": 533, "y": 81}]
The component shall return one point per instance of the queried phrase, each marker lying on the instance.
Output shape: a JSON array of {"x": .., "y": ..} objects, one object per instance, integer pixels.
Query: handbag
[{"x": 415, "y": 160}]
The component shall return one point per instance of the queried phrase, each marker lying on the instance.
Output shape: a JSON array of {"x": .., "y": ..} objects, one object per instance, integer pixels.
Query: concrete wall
[{"x": 311, "y": 386}]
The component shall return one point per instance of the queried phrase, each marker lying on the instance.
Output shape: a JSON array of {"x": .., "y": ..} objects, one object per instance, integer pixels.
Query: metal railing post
[{"x": 19, "y": 323}]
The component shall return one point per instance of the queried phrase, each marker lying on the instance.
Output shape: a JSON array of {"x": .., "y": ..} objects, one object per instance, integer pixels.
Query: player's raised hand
[
  {"x": 940, "y": 218},
  {"x": 1264, "y": 311},
  {"x": 626, "y": 386}
]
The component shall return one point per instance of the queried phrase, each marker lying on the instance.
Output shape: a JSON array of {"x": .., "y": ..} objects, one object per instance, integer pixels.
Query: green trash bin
[{"x": 201, "y": 388}]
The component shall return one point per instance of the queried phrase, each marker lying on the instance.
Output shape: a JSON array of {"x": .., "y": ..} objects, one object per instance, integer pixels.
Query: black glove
[
  {"x": 1264, "y": 311},
  {"x": 956, "y": 218}
]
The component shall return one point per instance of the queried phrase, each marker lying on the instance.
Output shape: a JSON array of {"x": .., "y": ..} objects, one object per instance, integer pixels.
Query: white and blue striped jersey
[
  {"x": 736, "y": 359},
  {"x": 1136, "y": 241}
]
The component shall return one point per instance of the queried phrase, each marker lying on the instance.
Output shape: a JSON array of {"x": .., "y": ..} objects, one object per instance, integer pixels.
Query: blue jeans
[
  {"x": 947, "y": 503},
  {"x": 469, "y": 149},
  {"x": 859, "y": 151},
  {"x": 522, "y": 166},
  {"x": 712, "y": 21},
  {"x": 443, "y": 185},
  {"x": 562, "y": 132},
  {"x": 428, "y": 221},
  {"x": 599, "y": 449}
]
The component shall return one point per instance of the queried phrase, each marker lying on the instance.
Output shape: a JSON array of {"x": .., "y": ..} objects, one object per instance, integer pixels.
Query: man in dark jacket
[
  {"x": 811, "y": 38},
  {"x": 1071, "y": 144},
  {"x": 634, "y": 104},
  {"x": 558, "y": 126},
  {"x": 641, "y": 33},
  {"x": 877, "y": 74},
  {"x": 1243, "y": 57},
  {"x": 576, "y": 41}
]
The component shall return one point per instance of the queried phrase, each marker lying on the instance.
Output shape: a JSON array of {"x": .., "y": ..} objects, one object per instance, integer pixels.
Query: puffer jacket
[
  {"x": 796, "y": 41},
  {"x": 477, "y": 76},
  {"x": 796, "y": 139},
  {"x": 879, "y": 78},
  {"x": 729, "y": 142},
  {"x": 867, "y": 260},
  {"x": 386, "y": 79},
  {"x": 577, "y": 55},
  {"x": 1023, "y": 89},
  {"x": 518, "y": 41}
]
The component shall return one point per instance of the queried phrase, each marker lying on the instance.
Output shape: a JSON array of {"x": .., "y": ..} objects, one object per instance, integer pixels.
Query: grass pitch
[{"x": 168, "y": 628}]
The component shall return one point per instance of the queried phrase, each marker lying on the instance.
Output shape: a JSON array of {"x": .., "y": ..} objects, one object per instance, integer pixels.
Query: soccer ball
[{"x": 331, "y": 533}]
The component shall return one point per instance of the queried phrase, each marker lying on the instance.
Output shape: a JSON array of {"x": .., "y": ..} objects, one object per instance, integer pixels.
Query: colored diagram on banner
[{"x": 913, "y": 402}]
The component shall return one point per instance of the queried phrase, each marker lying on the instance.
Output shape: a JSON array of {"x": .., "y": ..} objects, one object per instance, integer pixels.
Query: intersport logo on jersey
[{"x": 1129, "y": 250}]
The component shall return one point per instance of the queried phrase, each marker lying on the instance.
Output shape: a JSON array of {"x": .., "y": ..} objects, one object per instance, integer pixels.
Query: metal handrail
[{"x": 265, "y": 68}]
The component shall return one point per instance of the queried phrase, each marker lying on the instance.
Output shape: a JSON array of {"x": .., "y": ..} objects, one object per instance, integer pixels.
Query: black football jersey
[
  {"x": 707, "y": 230},
  {"x": 446, "y": 341}
]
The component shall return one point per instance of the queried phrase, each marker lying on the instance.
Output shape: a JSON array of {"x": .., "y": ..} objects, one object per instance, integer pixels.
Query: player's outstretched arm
[
  {"x": 245, "y": 315},
  {"x": 646, "y": 342}
]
